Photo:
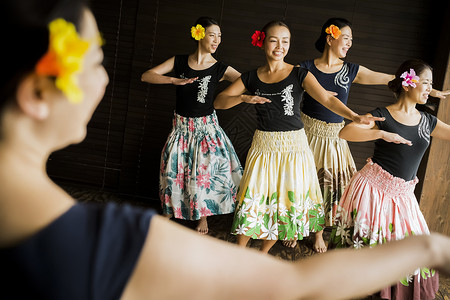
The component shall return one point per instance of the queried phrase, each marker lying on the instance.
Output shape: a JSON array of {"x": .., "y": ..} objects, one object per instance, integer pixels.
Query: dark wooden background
[{"x": 128, "y": 130}]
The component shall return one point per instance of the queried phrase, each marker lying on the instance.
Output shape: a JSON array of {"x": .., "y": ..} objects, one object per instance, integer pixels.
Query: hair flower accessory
[
  {"x": 258, "y": 38},
  {"x": 198, "y": 32},
  {"x": 409, "y": 78},
  {"x": 64, "y": 58},
  {"x": 333, "y": 30}
]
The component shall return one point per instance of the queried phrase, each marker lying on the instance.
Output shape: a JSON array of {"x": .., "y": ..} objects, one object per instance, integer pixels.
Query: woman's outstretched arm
[
  {"x": 441, "y": 131},
  {"x": 156, "y": 74},
  {"x": 315, "y": 90},
  {"x": 177, "y": 263},
  {"x": 234, "y": 95},
  {"x": 367, "y": 76},
  {"x": 369, "y": 132}
]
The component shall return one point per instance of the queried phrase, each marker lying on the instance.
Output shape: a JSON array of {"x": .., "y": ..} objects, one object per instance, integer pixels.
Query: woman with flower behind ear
[
  {"x": 334, "y": 162},
  {"x": 279, "y": 196},
  {"x": 200, "y": 171},
  {"x": 379, "y": 204}
]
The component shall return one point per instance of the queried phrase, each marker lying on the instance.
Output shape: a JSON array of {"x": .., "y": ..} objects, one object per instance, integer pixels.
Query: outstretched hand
[
  {"x": 183, "y": 81},
  {"x": 255, "y": 99},
  {"x": 440, "y": 94},
  {"x": 366, "y": 119},
  {"x": 391, "y": 137}
]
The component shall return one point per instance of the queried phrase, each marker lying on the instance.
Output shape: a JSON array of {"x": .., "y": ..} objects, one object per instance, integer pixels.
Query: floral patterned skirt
[
  {"x": 377, "y": 208},
  {"x": 279, "y": 196},
  {"x": 334, "y": 162},
  {"x": 200, "y": 171}
]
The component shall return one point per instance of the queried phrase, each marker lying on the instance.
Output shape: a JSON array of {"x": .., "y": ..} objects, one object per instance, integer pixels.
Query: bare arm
[
  {"x": 367, "y": 76},
  {"x": 207, "y": 268},
  {"x": 231, "y": 74},
  {"x": 315, "y": 90},
  {"x": 156, "y": 75},
  {"x": 441, "y": 131},
  {"x": 368, "y": 132},
  {"x": 233, "y": 95}
]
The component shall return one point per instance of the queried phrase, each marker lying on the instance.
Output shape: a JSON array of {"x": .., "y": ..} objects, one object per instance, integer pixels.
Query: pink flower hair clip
[
  {"x": 410, "y": 79},
  {"x": 258, "y": 38}
]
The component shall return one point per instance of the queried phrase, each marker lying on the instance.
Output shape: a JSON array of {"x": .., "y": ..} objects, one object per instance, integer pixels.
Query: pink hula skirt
[{"x": 376, "y": 208}]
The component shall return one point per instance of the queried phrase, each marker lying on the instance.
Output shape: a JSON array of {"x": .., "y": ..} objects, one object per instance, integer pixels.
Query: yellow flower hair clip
[
  {"x": 334, "y": 31},
  {"x": 64, "y": 58},
  {"x": 198, "y": 32}
]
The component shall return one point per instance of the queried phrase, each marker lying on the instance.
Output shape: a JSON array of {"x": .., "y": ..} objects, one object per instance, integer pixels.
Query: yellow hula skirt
[
  {"x": 279, "y": 195},
  {"x": 333, "y": 159}
]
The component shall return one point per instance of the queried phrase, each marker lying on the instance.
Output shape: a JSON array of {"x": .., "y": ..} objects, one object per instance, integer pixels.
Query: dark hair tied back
[
  {"x": 339, "y": 22},
  {"x": 395, "y": 85}
]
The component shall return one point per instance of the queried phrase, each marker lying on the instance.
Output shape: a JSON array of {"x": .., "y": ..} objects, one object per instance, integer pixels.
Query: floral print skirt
[
  {"x": 334, "y": 162},
  {"x": 279, "y": 196},
  {"x": 200, "y": 171},
  {"x": 377, "y": 208}
]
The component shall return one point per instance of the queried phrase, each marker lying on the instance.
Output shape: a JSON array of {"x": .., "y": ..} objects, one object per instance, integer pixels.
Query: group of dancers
[
  {"x": 53, "y": 246},
  {"x": 299, "y": 175}
]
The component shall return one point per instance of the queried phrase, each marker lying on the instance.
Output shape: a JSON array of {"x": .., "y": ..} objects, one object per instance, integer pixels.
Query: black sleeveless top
[
  {"x": 197, "y": 99},
  {"x": 401, "y": 160},
  {"x": 283, "y": 113}
]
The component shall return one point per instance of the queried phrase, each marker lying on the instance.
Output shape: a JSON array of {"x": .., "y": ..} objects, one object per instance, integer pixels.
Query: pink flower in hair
[{"x": 410, "y": 78}]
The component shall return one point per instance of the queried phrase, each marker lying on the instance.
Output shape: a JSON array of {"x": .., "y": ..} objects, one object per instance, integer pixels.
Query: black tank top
[
  {"x": 283, "y": 113},
  {"x": 196, "y": 99},
  {"x": 402, "y": 160}
]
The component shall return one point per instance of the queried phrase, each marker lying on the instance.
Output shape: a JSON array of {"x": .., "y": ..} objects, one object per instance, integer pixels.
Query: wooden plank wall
[{"x": 129, "y": 128}]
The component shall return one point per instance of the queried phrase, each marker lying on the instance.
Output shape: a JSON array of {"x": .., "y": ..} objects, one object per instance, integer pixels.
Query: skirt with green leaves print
[
  {"x": 377, "y": 208},
  {"x": 279, "y": 195}
]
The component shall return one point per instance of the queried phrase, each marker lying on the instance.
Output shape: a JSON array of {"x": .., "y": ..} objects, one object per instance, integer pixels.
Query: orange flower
[{"x": 334, "y": 31}]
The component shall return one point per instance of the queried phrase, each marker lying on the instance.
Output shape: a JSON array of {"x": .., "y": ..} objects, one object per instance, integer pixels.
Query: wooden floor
[{"x": 219, "y": 227}]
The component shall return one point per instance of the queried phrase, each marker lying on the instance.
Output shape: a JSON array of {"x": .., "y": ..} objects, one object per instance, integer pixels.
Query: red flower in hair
[{"x": 258, "y": 38}]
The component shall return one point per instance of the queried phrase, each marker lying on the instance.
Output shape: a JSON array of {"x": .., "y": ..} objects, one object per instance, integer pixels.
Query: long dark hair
[
  {"x": 24, "y": 31},
  {"x": 339, "y": 22},
  {"x": 395, "y": 85}
]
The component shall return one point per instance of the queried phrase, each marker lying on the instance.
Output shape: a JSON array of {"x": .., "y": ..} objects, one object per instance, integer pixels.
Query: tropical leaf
[
  {"x": 404, "y": 281},
  {"x": 247, "y": 193},
  {"x": 262, "y": 199},
  {"x": 266, "y": 219},
  {"x": 391, "y": 227},
  {"x": 284, "y": 219},
  {"x": 250, "y": 232},
  {"x": 425, "y": 272},
  {"x": 365, "y": 240},
  {"x": 212, "y": 206},
  {"x": 291, "y": 196},
  {"x": 174, "y": 164},
  {"x": 274, "y": 196}
]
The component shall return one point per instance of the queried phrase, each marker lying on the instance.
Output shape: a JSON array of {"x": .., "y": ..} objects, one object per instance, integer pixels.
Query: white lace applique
[
  {"x": 286, "y": 96},
  {"x": 424, "y": 129},
  {"x": 203, "y": 88},
  {"x": 342, "y": 79}
]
